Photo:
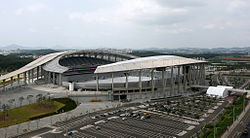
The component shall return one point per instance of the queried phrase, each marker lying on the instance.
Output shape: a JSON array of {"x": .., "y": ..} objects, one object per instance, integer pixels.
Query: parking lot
[{"x": 151, "y": 119}]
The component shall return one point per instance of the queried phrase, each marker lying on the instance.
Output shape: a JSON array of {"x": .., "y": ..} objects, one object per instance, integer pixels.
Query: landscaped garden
[{"x": 35, "y": 111}]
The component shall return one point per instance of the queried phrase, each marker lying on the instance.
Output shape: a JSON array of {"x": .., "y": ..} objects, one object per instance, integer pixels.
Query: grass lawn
[{"x": 27, "y": 112}]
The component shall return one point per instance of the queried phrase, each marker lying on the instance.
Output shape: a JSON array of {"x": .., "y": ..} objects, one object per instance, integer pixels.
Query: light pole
[
  {"x": 233, "y": 112},
  {"x": 18, "y": 127},
  {"x": 5, "y": 132},
  {"x": 243, "y": 105},
  {"x": 214, "y": 130},
  {"x": 37, "y": 123}
]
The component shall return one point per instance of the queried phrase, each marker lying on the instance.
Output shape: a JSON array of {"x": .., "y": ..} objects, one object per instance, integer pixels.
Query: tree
[
  {"x": 39, "y": 97},
  {"x": 43, "y": 98},
  {"x": 29, "y": 98},
  {"x": 48, "y": 95},
  {"x": 21, "y": 100},
  {"x": 11, "y": 102},
  {"x": 5, "y": 110}
]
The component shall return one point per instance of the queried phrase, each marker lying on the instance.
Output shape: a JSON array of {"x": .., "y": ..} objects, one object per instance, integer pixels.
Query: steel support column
[
  {"x": 204, "y": 74},
  {"x": 172, "y": 81},
  {"x": 4, "y": 85},
  {"x": 163, "y": 81},
  {"x": 32, "y": 75},
  {"x": 192, "y": 74},
  {"x": 60, "y": 79},
  {"x": 57, "y": 78},
  {"x": 126, "y": 75},
  {"x": 196, "y": 74},
  {"x": 140, "y": 83},
  {"x": 49, "y": 77},
  {"x": 37, "y": 72},
  {"x": 54, "y": 78},
  {"x": 185, "y": 78},
  {"x": 97, "y": 82},
  {"x": 44, "y": 74},
  {"x": 153, "y": 83},
  {"x": 29, "y": 76},
  {"x": 112, "y": 83},
  {"x": 200, "y": 74},
  {"x": 11, "y": 81},
  {"x": 179, "y": 80},
  {"x": 18, "y": 79},
  {"x": 25, "y": 78},
  {"x": 189, "y": 75}
]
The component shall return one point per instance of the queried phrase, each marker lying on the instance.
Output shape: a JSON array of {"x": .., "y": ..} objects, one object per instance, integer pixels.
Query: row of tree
[{"x": 12, "y": 102}]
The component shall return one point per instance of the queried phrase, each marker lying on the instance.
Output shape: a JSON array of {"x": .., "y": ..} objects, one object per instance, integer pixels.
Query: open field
[{"x": 27, "y": 112}]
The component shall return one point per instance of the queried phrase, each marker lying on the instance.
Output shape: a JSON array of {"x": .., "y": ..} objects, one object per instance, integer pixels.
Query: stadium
[
  {"x": 112, "y": 94},
  {"x": 110, "y": 75}
]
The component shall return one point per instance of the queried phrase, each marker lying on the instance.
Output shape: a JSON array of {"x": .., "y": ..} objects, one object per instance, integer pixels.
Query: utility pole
[
  {"x": 214, "y": 130},
  {"x": 233, "y": 112},
  {"x": 243, "y": 108}
]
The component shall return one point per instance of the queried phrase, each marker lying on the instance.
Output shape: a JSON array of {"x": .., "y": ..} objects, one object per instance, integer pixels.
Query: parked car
[
  {"x": 124, "y": 118},
  {"x": 69, "y": 133},
  {"x": 97, "y": 127}
]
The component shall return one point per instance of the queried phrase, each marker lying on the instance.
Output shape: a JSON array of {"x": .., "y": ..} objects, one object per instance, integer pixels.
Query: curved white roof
[
  {"x": 50, "y": 62},
  {"x": 146, "y": 63},
  {"x": 31, "y": 65},
  {"x": 54, "y": 66},
  {"x": 220, "y": 91}
]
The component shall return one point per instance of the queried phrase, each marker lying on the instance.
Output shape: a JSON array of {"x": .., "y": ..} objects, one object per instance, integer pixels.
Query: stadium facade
[{"x": 120, "y": 76}]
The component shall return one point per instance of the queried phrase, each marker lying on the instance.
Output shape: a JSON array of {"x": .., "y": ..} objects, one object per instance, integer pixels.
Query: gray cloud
[{"x": 126, "y": 23}]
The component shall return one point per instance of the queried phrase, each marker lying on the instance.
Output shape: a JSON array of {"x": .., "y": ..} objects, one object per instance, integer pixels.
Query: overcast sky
[{"x": 125, "y": 23}]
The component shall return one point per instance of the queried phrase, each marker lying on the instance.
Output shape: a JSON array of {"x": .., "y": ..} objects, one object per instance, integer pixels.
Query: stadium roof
[
  {"x": 31, "y": 65},
  {"x": 50, "y": 62},
  {"x": 54, "y": 66},
  {"x": 146, "y": 63}
]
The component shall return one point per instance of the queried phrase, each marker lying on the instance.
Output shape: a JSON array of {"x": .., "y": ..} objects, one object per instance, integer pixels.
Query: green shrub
[{"x": 69, "y": 104}]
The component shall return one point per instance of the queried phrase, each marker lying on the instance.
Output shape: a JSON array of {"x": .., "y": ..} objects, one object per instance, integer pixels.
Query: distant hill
[
  {"x": 20, "y": 47},
  {"x": 13, "y": 47},
  {"x": 38, "y": 52},
  {"x": 199, "y": 50}
]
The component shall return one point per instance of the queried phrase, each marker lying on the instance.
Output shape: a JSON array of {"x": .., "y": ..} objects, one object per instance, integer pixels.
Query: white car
[
  {"x": 122, "y": 115},
  {"x": 124, "y": 118}
]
